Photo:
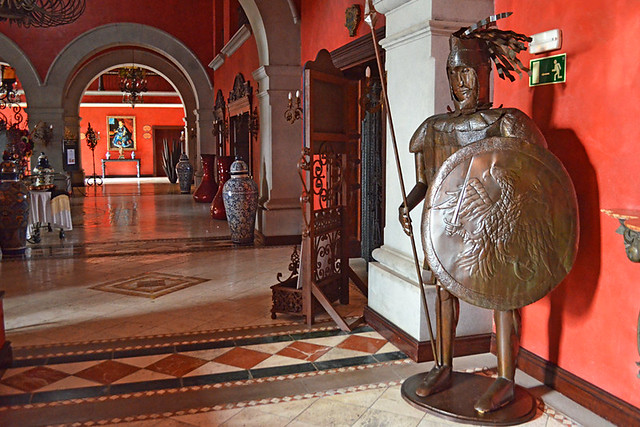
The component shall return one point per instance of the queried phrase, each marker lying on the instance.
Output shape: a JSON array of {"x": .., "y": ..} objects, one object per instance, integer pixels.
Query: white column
[
  {"x": 280, "y": 147},
  {"x": 416, "y": 45}
]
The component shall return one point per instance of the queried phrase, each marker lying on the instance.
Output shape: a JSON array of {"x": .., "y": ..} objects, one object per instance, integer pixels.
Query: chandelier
[
  {"x": 133, "y": 82},
  {"x": 41, "y": 13}
]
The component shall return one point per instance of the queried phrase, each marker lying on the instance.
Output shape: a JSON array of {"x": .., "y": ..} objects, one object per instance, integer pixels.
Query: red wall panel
[
  {"x": 97, "y": 116},
  {"x": 192, "y": 25},
  {"x": 588, "y": 325},
  {"x": 322, "y": 26}
]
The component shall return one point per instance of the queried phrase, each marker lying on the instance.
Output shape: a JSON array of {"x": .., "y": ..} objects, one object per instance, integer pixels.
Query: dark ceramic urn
[
  {"x": 240, "y": 194},
  {"x": 14, "y": 210},
  {"x": 184, "y": 170}
]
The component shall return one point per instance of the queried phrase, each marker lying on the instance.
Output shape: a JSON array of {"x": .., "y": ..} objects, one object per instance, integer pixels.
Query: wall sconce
[
  {"x": 630, "y": 230},
  {"x": 42, "y": 133},
  {"x": 292, "y": 114}
]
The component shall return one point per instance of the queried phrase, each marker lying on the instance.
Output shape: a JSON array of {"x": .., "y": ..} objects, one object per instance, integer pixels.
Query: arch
[
  {"x": 26, "y": 72},
  {"x": 130, "y": 34},
  {"x": 110, "y": 59},
  {"x": 277, "y": 34}
]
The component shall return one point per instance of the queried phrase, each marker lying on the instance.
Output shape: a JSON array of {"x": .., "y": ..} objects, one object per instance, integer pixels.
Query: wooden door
[
  {"x": 160, "y": 133},
  {"x": 329, "y": 169}
]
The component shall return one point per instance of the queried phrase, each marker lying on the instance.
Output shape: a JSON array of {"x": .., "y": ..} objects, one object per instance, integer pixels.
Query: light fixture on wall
[
  {"x": 133, "y": 83},
  {"x": 41, "y": 13},
  {"x": 292, "y": 114}
]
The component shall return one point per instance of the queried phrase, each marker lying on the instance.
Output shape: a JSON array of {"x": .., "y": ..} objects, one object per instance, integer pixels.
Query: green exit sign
[{"x": 549, "y": 70}]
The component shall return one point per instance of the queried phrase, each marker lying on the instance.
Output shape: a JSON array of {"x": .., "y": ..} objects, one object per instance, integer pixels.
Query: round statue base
[{"x": 456, "y": 403}]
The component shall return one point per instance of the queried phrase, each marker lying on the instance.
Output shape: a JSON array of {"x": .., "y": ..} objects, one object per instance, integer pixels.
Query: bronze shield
[{"x": 501, "y": 225}]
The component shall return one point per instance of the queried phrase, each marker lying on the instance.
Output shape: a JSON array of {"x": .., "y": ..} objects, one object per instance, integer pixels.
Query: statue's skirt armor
[{"x": 501, "y": 229}]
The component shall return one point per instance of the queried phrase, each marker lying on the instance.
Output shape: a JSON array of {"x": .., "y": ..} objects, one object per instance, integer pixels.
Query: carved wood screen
[
  {"x": 243, "y": 121},
  {"x": 327, "y": 172},
  {"x": 220, "y": 124}
]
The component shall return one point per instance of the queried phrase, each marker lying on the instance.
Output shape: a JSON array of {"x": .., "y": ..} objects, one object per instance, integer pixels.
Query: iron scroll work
[{"x": 502, "y": 226}]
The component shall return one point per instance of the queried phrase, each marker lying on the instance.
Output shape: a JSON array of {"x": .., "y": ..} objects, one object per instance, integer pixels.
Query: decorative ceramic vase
[
  {"x": 240, "y": 194},
  {"x": 208, "y": 186},
  {"x": 184, "y": 170},
  {"x": 43, "y": 172},
  {"x": 217, "y": 205},
  {"x": 14, "y": 210}
]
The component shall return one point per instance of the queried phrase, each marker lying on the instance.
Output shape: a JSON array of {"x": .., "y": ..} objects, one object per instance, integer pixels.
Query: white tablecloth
[{"x": 43, "y": 210}]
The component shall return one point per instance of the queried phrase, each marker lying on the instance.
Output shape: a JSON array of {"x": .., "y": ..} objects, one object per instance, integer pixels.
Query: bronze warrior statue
[{"x": 498, "y": 219}]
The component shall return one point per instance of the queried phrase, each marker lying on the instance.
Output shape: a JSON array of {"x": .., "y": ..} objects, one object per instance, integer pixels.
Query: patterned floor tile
[
  {"x": 176, "y": 365},
  {"x": 69, "y": 382},
  {"x": 142, "y": 375},
  {"x": 207, "y": 354},
  {"x": 34, "y": 378},
  {"x": 364, "y": 344},
  {"x": 340, "y": 353},
  {"x": 276, "y": 360},
  {"x": 107, "y": 372},
  {"x": 150, "y": 285},
  {"x": 142, "y": 361},
  {"x": 211, "y": 368},
  {"x": 72, "y": 368},
  {"x": 304, "y": 351},
  {"x": 5, "y": 389},
  {"x": 242, "y": 358}
]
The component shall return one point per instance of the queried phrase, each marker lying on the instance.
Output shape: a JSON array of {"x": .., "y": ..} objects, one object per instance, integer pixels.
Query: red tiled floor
[
  {"x": 304, "y": 351},
  {"x": 242, "y": 358},
  {"x": 176, "y": 365},
  {"x": 107, "y": 372},
  {"x": 357, "y": 343},
  {"x": 34, "y": 379}
]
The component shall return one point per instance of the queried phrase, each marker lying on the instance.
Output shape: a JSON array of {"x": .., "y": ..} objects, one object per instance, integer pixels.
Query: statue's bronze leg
[
  {"x": 439, "y": 377},
  {"x": 502, "y": 391}
]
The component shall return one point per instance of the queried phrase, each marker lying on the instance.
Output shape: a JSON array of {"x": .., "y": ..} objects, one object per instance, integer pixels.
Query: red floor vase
[
  {"x": 208, "y": 186},
  {"x": 217, "y": 205}
]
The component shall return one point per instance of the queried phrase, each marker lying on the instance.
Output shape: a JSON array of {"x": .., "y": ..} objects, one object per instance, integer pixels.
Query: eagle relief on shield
[{"x": 502, "y": 226}]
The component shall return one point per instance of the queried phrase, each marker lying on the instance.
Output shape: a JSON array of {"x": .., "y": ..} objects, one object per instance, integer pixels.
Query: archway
[
  {"x": 114, "y": 58},
  {"x": 52, "y": 104}
]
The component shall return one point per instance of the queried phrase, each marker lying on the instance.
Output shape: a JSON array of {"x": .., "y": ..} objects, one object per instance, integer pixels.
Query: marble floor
[{"x": 146, "y": 314}]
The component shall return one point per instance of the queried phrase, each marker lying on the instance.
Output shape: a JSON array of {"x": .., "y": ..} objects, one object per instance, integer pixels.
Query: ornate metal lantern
[{"x": 133, "y": 83}]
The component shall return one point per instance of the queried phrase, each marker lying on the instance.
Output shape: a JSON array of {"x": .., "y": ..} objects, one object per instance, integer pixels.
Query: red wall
[
  {"x": 97, "y": 116},
  {"x": 194, "y": 29},
  {"x": 322, "y": 26},
  {"x": 588, "y": 325}
]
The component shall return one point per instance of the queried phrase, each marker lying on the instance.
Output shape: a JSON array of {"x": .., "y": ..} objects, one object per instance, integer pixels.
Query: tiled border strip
[
  {"x": 173, "y": 390},
  {"x": 542, "y": 407},
  {"x": 178, "y": 334},
  {"x": 172, "y": 346}
]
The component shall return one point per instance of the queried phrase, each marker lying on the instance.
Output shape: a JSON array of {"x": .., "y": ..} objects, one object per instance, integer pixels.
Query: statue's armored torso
[{"x": 441, "y": 135}]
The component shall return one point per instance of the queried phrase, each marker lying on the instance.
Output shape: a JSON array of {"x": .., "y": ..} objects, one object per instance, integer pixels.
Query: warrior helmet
[{"x": 478, "y": 45}]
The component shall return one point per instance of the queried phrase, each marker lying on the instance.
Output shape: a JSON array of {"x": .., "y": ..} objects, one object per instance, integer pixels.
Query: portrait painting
[{"x": 122, "y": 132}]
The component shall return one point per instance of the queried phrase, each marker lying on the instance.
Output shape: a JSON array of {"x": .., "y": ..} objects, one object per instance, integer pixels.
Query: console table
[{"x": 104, "y": 164}]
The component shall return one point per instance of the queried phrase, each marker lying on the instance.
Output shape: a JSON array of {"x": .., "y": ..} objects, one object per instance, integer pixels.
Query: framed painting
[{"x": 122, "y": 132}]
